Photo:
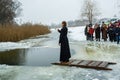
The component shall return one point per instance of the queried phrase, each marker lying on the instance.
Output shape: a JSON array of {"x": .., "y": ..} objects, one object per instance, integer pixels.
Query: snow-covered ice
[{"x": 11, "y": 45}]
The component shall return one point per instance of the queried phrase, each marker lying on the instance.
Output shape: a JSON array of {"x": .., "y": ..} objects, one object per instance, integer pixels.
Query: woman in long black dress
[{"x": 64, "y": 44}]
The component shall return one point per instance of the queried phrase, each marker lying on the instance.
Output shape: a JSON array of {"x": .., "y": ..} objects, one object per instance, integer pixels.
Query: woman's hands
[
  {"x": 59, "y": 44},
  {"x": 59, "y": 30}
]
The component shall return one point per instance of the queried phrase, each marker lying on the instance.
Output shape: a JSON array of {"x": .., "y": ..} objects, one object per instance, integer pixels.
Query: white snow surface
[
  {"x": 12, "y": 45},
  {"x": 77, "y": 33}
]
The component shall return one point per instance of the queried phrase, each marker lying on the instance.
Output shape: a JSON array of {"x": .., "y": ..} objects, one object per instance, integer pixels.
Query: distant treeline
[
  {"x": 77, "y": 23},
  {"x": 73, "y": 23}
]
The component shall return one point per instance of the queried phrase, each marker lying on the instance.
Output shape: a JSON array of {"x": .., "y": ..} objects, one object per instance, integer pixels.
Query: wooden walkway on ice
[{"x": 99, "y": 65}]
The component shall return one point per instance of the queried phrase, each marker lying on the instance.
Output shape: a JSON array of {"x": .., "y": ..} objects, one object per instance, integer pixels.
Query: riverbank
[{"x": 14, "y": 33}]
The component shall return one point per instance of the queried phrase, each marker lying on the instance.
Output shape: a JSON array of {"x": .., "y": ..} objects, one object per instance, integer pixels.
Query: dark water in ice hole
[{"x": 30, "y": 56}]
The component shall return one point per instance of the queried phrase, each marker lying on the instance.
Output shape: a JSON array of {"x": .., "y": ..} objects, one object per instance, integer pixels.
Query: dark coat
[
  {"x": 86, "y": 30},
  {"x": 65, "y": 50},
  {"x": 97, "y": 32},
  {"x": 111, "y": 33},
  {"x": 111, "y": 30},
  {"x": 117, "y": 31},
  {"x": 104, "y": 32}
]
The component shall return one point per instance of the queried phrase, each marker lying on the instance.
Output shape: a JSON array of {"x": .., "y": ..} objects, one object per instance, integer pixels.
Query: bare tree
[
  {"x": 89, "y": 10},
  {"x": 9, "y": 9}
]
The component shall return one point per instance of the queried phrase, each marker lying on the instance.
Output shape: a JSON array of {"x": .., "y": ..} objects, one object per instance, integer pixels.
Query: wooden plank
[
  {"x": 80, "y": 62},
  {"x": 61, "y": 64},
  {"x": 71, "y": 61},
  {"x": 98, "y": 61},
  {"x": 84, "y": 63},
  {"x": 83, "y": 66},
  {"x": 99, "y": 65},
  {"x": 89, "y": 63},
  {"x": 112, "y": 63},
  {"x": 103, "y": 64},
  {"x": 95, "y": 63},
  {"x": 93, "y": 67},
  {"x": 76, "y": 62}
]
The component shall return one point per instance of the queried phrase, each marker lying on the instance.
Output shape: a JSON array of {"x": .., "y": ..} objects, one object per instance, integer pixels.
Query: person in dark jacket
[
  {"x": 86, "y": 31},
  {"x": 97, "y": 32},
  {"x": 114, "y": 29},
  {"x": 111, "y": 32},
  {"x": 117, "y": 32},
  {"x": 64, "y": 44}
]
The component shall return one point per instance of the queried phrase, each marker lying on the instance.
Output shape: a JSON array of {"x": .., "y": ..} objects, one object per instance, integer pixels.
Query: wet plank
[
  {"x": 85, "y": 62},
  {"x": 103, "y": 64},
  {"x": 95, "y": 63},
  {"x": 99, "y": 65},
  {"x": 80, "y": 62},
  {"x": 71, "y": 61},
  {"x": 76, "y": 62}
]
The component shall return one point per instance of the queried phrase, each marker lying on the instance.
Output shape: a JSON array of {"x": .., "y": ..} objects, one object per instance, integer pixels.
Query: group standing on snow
[{"x": 105, "y": 32}]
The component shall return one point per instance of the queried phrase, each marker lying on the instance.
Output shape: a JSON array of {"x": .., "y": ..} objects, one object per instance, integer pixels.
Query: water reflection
[
  {"x": 30, "y": 57},
  {"x": 13, "y": 57}
]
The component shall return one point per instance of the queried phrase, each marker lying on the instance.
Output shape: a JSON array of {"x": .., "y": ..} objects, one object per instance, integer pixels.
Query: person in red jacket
[{"x": 91, "y": 32}]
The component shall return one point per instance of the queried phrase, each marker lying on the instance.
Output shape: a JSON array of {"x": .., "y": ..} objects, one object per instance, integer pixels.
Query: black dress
[{"x": 64, "y": 50}]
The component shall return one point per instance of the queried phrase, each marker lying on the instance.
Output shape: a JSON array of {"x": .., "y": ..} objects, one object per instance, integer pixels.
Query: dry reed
[{"x": 15, "y": 33}]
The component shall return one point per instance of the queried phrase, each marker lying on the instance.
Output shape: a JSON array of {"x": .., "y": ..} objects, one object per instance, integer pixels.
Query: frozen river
[{"x": 31, "y": 59}]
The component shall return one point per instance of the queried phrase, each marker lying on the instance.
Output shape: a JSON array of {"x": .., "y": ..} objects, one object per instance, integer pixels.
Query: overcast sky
[{"x": 55, "y": 11}]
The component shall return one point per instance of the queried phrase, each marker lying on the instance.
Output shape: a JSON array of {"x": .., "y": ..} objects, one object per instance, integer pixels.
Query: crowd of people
[{"x": 104, "y": 31}]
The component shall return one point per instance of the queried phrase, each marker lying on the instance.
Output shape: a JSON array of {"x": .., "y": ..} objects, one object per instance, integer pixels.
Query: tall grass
[{"x": 15, "y": 33}]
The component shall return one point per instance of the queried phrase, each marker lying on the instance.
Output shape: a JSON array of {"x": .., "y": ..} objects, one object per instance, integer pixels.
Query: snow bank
[
  {"x": 23, "y": 44},
  {"x": 12, "y": 45}
]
